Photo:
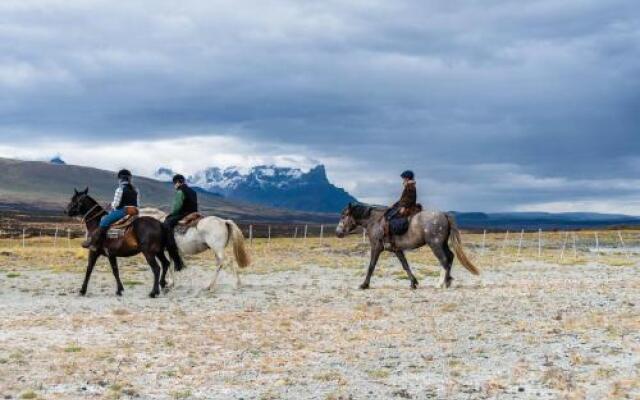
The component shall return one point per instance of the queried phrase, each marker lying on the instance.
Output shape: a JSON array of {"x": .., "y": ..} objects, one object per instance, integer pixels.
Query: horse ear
[
  {"x": 86, "y": 190},
  {"x": 350, "y": 205},
  {"x": 75, "y": 191}
]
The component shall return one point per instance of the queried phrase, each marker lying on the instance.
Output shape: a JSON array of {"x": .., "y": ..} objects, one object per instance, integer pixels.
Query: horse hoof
[
  {"x": 364, "y": 286},
  {"x": 414, "y": 285},
  {"x": 153, "y": 295},
  {"x": 83, "y": 292},
  {"x": 119, "y": 293}
]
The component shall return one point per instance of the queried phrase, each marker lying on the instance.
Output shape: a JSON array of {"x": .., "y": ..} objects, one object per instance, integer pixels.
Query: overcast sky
[{"x": 496, "y": 105}]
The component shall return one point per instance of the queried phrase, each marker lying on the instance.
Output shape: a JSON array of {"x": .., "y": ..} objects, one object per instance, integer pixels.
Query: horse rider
[
  {"x": 125, "y": 202},
  {"x": 406, "y": 206},
  {"x": 185, "y": 202}
]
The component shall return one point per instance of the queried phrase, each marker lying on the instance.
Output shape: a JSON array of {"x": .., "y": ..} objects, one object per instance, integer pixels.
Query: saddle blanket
[
  {"x": 188, "y": 222},
  {"x": 399, "y": 226}
]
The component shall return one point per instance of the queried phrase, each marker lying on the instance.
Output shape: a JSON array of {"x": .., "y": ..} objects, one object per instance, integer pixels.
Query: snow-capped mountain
[
  {"x": 270, "y": 185},
  {"x": 57, "y": 160}
]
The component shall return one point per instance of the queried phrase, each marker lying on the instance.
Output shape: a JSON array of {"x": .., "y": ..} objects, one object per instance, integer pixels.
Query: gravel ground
[{"x": 520, "y": 331}]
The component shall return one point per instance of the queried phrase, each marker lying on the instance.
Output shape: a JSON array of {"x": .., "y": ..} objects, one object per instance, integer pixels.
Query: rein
[{"x": 85, "y": 219}]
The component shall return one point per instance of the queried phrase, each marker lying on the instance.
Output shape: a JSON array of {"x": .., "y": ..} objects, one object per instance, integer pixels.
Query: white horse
[{"x": 210, "y": 233}]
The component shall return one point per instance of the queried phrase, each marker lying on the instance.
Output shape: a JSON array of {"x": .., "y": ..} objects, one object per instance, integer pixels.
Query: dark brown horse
[
  {"x": 430, "y": 228},
  {"x": 145, "y": 235}
]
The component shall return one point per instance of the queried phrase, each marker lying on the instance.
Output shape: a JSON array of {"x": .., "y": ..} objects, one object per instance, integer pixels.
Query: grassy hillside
[{"x": 34, "y": 185}]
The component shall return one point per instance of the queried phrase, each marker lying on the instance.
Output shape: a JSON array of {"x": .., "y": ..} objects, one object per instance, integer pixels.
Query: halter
[{"x": 84, "y": 218}]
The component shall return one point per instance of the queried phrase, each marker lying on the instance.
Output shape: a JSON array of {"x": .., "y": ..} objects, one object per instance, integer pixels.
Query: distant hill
[
  {"x": 545, "y": 221},
  {"x": 46, "y": 186},
  {"x": 37, "y": 188},
  {"x": 273, "y": 186}
]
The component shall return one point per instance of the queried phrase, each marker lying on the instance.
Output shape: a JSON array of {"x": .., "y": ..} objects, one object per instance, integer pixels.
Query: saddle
[
  {"x": 399, "y": 225},
  {"x": 121, "y": 227},
  {"x": 189, "y": 221}
]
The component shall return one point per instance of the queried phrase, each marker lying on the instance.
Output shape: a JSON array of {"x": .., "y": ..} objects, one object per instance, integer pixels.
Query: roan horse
[
  {"x": 147, "y": 236},
  {"x": 433, "y": 229},
  {"x": 209, "y": 233}
]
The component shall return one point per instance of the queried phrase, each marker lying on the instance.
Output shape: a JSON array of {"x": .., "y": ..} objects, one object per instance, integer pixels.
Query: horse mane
[
  {"x": 362, "y": 211},
  {"x": 93, "y": 201}
]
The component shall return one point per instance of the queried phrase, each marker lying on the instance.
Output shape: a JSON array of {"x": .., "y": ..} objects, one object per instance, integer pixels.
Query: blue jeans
[{"x": 112, "y": 218}]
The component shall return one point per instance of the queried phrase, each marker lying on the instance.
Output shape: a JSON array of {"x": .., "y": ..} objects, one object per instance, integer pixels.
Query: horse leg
[
  {"x": 236, "y": 273},
  {"x": 407, "y": 268},
  {"x": 151, "y": 260},
  {"x": 113, "y": 261},
  {"x": 450, "y": 257},
  {"x": 375, "y": 255},
  {"x": 93, "y": 257},
  {"x": 220, "y": 264},
  {"x": 441, "y": 254},
  {"x": 165, "y": 267}
]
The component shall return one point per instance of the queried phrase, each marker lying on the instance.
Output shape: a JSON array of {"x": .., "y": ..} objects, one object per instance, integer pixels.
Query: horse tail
[
  {"x": 172, "y": 248},
  {"x": 456, "y": 242},
  {"x": 237, "y": 239}
]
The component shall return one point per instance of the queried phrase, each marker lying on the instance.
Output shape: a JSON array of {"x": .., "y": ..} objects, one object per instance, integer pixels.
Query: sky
[{"x": 496, "y": 105}]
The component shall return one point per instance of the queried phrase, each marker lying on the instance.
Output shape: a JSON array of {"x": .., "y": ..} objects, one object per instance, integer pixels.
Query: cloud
[{"x": 495, "y": 104}]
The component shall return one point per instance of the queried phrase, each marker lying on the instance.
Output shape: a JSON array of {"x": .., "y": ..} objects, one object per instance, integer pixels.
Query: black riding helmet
[
  {"x": 408, "y": 174},
  {"x": 178, "y": 179},
  {"x": 124, "y": 174}
]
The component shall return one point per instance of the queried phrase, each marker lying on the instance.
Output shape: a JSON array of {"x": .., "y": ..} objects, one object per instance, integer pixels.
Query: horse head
[
  {"x": 347, "y": 220},
  {"x": 79, "y": 203}
]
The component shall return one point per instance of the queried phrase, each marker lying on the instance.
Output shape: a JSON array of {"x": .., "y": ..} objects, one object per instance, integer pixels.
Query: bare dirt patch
[{"x": 301, "y": 329}]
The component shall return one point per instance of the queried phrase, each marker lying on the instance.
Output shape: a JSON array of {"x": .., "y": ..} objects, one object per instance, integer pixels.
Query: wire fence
[{"x": 499, "y": 246}]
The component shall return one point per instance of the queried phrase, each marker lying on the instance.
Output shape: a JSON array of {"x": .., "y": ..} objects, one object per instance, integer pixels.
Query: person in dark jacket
[
  {"x": 185, "y": 202},
  {"x": 406, "y": 206},
  {"x": 125, "y": 201}
]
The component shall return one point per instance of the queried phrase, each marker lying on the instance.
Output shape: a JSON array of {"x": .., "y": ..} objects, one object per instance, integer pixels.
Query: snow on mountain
[
  {"x": 57, "y": 160},
  {"x": 164, "y": 174},
  {"x": 271, "y": 185}
]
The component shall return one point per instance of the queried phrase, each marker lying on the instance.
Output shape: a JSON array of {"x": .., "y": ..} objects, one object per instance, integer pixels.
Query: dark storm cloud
[{"x": 545, "y": 93}]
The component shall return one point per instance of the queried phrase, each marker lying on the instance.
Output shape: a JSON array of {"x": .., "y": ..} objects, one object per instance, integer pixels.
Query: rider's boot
[
  {"x": 95, "y": 241},
  {"x": 179, "y": 264},
  {"x": 388, "y": 237}
]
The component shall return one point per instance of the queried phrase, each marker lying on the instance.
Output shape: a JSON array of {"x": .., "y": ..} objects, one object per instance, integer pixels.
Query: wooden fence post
[
  {"x": 564, "y": 245},
  {"x": 484, "y": 241},
  {"x": 295, "y": 233},
  {"x": 68, "y": 237},
  {"x": 597, "y": 245},
  {"x": 504, "y": 244},
  {"x": 321, "y": 233},
  {"x": 624, "y": 248},
  {"x": 306, "y": 229},
  {"x": 520, "y": 242},
  {"x": 55, "y": 237},
  {"x": 250, "y": 235},
  {"x": 269, "y": 237},
  {"x": 24, "y": 231},
  {"x": 539, "y": 243}
]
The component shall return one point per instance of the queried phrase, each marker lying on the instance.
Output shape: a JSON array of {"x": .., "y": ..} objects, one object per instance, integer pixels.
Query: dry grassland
[{"x": 560, "y": 324}]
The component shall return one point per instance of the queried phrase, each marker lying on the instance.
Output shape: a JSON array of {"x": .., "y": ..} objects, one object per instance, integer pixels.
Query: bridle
[
  {"x": 351, "y": 220},
  {"x": 84, "y": 217}
]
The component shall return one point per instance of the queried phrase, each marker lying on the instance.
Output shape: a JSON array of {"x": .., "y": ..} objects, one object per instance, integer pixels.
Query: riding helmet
[
  {"x": 178, "y": 179},
  {"x": 407, "y": 175},
  {"x": 124, "y": 174}
]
